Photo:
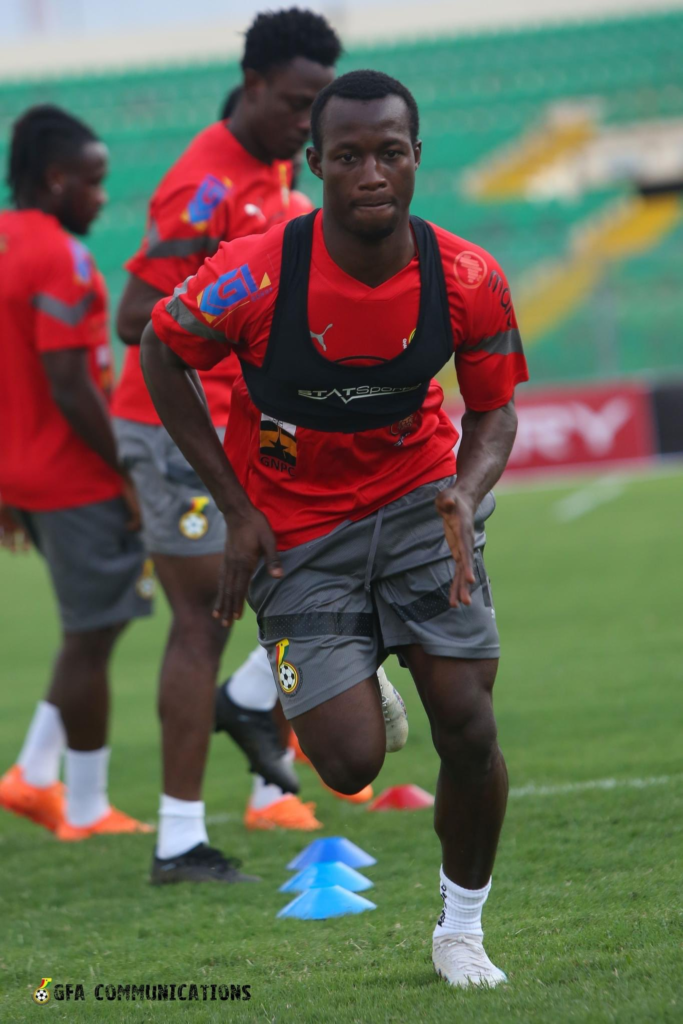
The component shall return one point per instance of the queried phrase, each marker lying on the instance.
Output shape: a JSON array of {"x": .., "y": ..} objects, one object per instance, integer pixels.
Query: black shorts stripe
[
  {"x": 427, "y": 607},
  {"x": 311, "y": 624}
]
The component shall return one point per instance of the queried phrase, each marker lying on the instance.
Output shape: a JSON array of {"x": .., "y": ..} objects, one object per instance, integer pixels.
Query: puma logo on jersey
[{"x": 319, "y": 337}]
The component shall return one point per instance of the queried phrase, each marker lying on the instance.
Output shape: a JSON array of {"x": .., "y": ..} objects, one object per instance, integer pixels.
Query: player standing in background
[
  {"x": 60, "y": 479},
  {"x": 370, "y": 543},
  {"x": 233, "y": 180}
]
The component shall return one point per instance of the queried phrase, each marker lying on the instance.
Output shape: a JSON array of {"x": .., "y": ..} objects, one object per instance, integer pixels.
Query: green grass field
[{"x": 585, "y": 911}]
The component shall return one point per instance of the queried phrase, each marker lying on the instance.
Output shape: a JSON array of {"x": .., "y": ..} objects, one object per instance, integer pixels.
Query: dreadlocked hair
[
  {"x": 276, "y": 37},
  {"x": 42, "y": 135}
]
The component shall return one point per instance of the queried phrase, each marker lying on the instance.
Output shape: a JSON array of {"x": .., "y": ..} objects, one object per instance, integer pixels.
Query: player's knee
[
  {"x": 93, "y": 648},
  {"x": 194, "y": 629},
  {"x": 351, "y": 771},
  {"x": 469, "y": 742}
]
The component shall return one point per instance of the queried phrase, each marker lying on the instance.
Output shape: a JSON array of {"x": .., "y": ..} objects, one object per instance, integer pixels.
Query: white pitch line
[
  {"x": 605, "y": 784},
  {"x": 531, "y": 789},
  {"x": 588, "y": 498}
]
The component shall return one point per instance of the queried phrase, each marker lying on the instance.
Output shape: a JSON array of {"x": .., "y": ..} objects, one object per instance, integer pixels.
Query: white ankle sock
[
  {"x": 181, "y": 826},
  {"x": 86, "y": 785},
  {"x": 252, "y": 686},
  {"x": 462, "y": 909},
  {"x": 263, "y": 794},
  {"x": 43, "y": 747}
]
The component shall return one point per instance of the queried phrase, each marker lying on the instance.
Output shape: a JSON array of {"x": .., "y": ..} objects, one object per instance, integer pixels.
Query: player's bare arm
[
  {"x": 135, "y": 309},
  {"x": 174, "y": 386},
  {"x": 487, "y": 439},
  {"x": 85, "y": 409}
]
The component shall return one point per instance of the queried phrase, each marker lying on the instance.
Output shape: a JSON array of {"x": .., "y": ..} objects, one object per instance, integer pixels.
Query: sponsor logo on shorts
[
  {"x": 231, "y": 290},
  {"x": 351, "y": 394},
  {"x": 146, "y": 585},
  {"x": 470, "y": 269},
  {"x": 194, "y": 524},
  {"x": 288, "y": 677},
  {"x": 277, "y": 445},
  {"x": 210, "y": 193},
  {"x": 403, "y": 429},
  {"x": 41, "y": 994}
]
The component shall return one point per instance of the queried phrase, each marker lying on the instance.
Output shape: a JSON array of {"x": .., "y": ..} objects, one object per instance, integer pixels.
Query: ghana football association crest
[
  {"x": 194, "y": 524},
  {"x": 288, "y": 676},
  {"x": 41, "y": 994},
  {"x": 146, "y": 584}
]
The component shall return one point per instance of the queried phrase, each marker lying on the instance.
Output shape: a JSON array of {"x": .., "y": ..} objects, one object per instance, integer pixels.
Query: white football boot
[
  {"x": 395, "y": 714},
  {"x": 462, "y": 961}
]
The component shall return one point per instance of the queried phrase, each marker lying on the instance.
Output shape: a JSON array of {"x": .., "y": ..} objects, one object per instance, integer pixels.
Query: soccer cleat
[
  {"x": 112, "y": 823},
  {"x": 200, "y": 864},
  {"x": 256, "y": 734},
  {"x": 462, "y": 961},
  {"x": 394, "y": 712},
  {"x": 44, "y": 806},
  {"x": 289, "y": 813},
  {"x": 361, "y": 797}
]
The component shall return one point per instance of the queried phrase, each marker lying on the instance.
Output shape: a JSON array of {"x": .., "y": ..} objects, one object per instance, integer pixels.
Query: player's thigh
[
  {"x": 190, "y": 582},
  {"x": 180, "y": 518},
  {"x": 96, "y": 565},
  {"x": 455, "y": 692}
]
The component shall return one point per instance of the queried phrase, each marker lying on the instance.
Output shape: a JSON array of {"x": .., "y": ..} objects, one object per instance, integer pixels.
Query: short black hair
[
  {"x": 363, "y": 85},
  {"x": 42, "y": 135},
  {"x": 230, "y": 102},
  {"x": 276, "y": 37}
]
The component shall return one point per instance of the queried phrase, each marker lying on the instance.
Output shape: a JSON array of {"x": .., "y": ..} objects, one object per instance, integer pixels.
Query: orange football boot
[
  {"x": 42, "y": 805},
  {"x": 112, "y": 823},
  {"x": 289, "y": 813}
]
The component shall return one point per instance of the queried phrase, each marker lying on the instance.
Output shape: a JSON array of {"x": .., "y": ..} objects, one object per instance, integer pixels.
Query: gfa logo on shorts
[
  {"x": 41, "y": 994},
  {"x": 194, "y": 524},
  {"x": 146, "y": 584},
  {"x": 287, "y": 676},
  {"x": 230, "y": 290},
  {"x": 210, "y": 193}
]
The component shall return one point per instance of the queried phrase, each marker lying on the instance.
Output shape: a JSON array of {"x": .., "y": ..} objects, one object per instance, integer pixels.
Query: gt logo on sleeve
[
  {"x": 230, "y": 290},
  {"x": 210, "y": 193}
]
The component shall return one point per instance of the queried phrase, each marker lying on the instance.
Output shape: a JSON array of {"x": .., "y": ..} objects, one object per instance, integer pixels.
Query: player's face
[
  {"x": 282, "y": 102},
  {"x": 83, "y": 188},
  {"x": 368, "y": 164}
]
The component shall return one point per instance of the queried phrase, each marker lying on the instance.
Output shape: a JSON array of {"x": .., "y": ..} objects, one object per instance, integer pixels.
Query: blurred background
[{"x": 553, "y": 137}]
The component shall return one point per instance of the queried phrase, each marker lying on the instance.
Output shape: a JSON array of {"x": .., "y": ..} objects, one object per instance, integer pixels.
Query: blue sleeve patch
[{"x": 210, "y": 193}]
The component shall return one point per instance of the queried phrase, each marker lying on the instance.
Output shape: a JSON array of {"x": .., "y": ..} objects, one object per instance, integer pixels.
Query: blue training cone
[
  {"x": 336, "y": 848},
  {"x": 320, "y": 876},
  {"x": 318, "y": 904}
]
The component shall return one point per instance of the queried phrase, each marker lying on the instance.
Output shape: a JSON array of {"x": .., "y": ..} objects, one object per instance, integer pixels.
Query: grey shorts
[
  {"x": 98, "y": 568},
  {"x": 179, "y": 515},
  {"x": 365, "y": 589}
]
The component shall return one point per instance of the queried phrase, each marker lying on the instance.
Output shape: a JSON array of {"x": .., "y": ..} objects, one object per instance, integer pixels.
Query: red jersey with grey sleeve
[
  {"x": 215, "y": 191},
  {"x": 306, "y": 481},
  {"x": 52, "y": 297}
]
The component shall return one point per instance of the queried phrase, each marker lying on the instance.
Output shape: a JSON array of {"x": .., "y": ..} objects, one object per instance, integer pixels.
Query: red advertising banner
[{"x": 574, "y": 428}]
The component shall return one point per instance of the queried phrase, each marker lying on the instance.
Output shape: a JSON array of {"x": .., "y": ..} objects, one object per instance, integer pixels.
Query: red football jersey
[
  {"x": 214, "y": 192},
  {"x": 306, "y": 481},
  {"x": 51, "y": 297}
]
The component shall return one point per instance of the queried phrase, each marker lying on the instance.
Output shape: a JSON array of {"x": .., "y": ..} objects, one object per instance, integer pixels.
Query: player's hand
[
  {"x": 457, "y": 512},
  {"x": 130, "y": 496},
  {"x": 13, "y": 536},
  {"x": 249, "y": 539}
]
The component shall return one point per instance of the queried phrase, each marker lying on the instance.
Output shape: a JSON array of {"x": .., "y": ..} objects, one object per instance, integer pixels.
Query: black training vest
[{"x": 297, "y": 384}]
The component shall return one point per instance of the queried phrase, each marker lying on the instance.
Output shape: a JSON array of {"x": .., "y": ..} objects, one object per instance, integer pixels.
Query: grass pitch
[{"x": 584, "y": 914}]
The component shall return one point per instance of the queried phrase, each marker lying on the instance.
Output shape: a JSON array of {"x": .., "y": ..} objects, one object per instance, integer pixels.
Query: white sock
[
  {"x": 86, "y": 785},
  {"x": 462, "y": 909},
  {"x": 181, "y": 826},
  {"x": 252, "y": 686},
  {"x": 43, "y": 747}
]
